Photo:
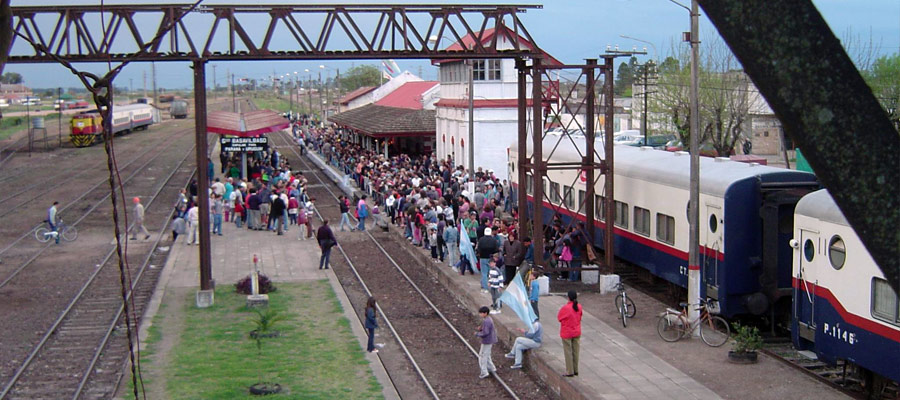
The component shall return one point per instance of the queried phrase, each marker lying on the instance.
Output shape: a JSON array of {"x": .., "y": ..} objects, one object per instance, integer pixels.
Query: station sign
[{"x": 244, "y": 144}]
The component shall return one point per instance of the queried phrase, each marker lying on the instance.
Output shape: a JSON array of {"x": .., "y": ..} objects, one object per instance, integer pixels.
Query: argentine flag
[
  {"x": 516, "y": 298},
  {"x": 465, "y": 246}
]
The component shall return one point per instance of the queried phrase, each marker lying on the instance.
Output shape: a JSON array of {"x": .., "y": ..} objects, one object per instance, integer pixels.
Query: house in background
[{"x": 495, "y": 111}]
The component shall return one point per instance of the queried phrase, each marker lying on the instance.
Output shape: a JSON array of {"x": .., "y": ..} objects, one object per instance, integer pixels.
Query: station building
[
  {"x": 399, "y": 118},
  {"x": 495, "y": 98}
]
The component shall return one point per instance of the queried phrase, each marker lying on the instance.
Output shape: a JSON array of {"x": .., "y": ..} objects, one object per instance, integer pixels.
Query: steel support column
[
  {"x": 539, "y": 168},
  {"x": 588, "y": 163},
  {"x": 609, "y": 187},
  {"x": 522, "y": 159},
  {"x": 199, "y": 66}
]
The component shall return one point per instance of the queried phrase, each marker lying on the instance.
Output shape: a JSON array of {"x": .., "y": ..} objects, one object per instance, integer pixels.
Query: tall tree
[
  {"x": 625, "y": 76},
  {"x": 884, "y": 79},
  {"x": 359, "y": 76},
  {"x": 11, "y": 78}
]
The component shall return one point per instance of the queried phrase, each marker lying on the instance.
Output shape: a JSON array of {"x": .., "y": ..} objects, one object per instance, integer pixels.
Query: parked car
[
  {"x": 627, "y": 138},
  {"x": 657, "y": 142},
  {"x": 706, "y": 149}
]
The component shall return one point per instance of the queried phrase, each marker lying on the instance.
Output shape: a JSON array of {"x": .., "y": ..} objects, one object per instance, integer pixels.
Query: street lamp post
[{"x": 694, "y": 203}]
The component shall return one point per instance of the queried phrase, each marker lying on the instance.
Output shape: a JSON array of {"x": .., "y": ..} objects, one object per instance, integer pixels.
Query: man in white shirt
[{"x": 138, "y": 224}]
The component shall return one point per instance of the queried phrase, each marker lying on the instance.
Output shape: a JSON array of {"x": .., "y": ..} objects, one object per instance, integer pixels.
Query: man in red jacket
[{"x": 569, "y": 317}]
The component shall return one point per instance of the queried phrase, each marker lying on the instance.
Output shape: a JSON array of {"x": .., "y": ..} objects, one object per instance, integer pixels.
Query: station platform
[{"x": 612, "y": 366}]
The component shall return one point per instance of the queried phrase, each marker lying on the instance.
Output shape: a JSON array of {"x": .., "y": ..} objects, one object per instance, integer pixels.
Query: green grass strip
[{"x": 316, "y": 356}]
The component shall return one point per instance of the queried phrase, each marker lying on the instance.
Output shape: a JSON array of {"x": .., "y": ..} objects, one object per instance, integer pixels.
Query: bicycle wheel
[
  {"x": 670, "y": 327},
  {"x": 715, "y": 331},
  {"x": 69, "y": 233},
  {"x": 42, "y": 235}
]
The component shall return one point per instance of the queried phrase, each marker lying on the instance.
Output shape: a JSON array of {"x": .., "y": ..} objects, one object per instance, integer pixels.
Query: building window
[
  {"x": 885, "y": 304},
  {"x": 486, "y": 70},
  {"x": 570, "y": 198},
  {"x": 642, "y": 221},
  {"x": 599, "y": 207},
  {"x": 554, "y": 192},
  {"x": 621, "y": 215},
  {"x": 665, "y": 229}
]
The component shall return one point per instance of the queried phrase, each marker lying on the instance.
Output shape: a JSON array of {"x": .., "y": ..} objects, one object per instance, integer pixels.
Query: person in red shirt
[{"x": 569, "y": 317}]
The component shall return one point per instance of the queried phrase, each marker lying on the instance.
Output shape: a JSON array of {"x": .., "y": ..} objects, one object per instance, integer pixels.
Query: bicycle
[
  {"x": 624, "y": 305},
  {"x": 43, "y": 233},
  {"x": 674, "y": 325}
]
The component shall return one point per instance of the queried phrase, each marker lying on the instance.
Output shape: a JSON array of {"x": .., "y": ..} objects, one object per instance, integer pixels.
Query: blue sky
[{"x": 570, "y": 30}]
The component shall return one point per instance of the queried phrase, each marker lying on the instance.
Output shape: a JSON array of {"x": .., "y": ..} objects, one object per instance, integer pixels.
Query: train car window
[
  {"x": 581, "y": 205},
  {"x": 885, "y": 304},
  {"x": 809, "y": 250},
  {"x": 569, "y": 197},
  {"x": 554, "y": 192},
  {"x": 837, "y": 252},
  {"x": 599, "y": 207},
  {"x": 544, "y": 185},
  {"x": 665, "y": 228},
  {"x": 713, "y": 223},
  {"x": 621, "y": 215},
  {"x": 529, "y": 184},
  {"x": 642, "y": 221}
]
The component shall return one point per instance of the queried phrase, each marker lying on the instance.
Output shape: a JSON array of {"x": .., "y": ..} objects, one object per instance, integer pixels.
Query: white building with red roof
[{"x": 495, "y": 98}]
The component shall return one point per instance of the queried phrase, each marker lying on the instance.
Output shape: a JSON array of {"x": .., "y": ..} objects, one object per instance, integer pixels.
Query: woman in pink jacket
[{"x": 569, "y": 317}]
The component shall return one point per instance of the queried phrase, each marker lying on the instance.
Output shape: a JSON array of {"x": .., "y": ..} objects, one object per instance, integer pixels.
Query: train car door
[
  {"x": 806, "y": 281},
  {"x": 713, "y": 249}
]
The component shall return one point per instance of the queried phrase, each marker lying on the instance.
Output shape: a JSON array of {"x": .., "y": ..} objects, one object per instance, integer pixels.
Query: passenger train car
[
  {"x": 746, "y": 213},
  {"x": 87, "y": 126},
  {"x": 843, "y": 307}
]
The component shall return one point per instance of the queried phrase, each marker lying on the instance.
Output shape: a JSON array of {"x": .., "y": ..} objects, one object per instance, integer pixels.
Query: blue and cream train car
[
  {"x": 746, "y": 214},
  {"x": 843, "y": 309}
]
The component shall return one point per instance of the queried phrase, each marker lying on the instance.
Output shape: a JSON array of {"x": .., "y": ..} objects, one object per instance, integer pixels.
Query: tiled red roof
[
  {"x": 347, "y": 98},
  {"x": 381, "y": 121},
  {"x": 248, "y": 124},
  {"x": 487, "y": 36},
  {"x": 407, "y": 96}
]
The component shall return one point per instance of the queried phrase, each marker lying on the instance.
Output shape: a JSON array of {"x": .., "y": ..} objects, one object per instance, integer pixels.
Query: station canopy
[{"x": 246, "y": 124}]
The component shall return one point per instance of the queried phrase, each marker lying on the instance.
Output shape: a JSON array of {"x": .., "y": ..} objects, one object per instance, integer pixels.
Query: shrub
[
  {"x": 245, "y": 285},
  {"x": 746, "y": 338}
]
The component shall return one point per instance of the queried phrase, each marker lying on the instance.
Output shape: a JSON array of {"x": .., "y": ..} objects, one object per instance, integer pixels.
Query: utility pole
[
  {"x": 145, "y": 83},
  {"x": 155, "y": 94},
  {"x": 309, "y": 95},
  {"x": 214, "y": 84},
  {"x": 321, "y": 109},
  {"x": 694, "y": 208},
  {"x": 233, "y": 100},
  {"x": 646, "y": 70}
]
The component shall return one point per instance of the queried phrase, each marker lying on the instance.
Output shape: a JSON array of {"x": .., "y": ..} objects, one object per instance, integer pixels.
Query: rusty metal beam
[
  {"x": 826, "y": 107},
  {"x": 327, "y": 32}
]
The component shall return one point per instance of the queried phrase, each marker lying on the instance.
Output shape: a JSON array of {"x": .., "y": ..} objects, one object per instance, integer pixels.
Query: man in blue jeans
[
  {"x": 326, "y": 241},
  {"x": 362, "y": 211},
  {"x": 51, "y": 219},
  {"x": 486, "y": 248}
]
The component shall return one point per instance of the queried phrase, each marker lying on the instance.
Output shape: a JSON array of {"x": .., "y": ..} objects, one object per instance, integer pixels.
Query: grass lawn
[
  {"x": 316, "y": 356},
  {"x": 11, "y": 125},
  {"x": 273, "y": 103}
]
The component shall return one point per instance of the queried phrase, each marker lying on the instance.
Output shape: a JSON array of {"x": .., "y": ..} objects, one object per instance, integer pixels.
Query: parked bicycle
[
  {"x": 674, "y": 325},
  {"x": 624, "y": 305},
  {"x": 43, "y": 234}
]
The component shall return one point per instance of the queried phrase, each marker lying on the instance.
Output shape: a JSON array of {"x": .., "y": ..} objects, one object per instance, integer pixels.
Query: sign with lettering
[{"x": 245, "y": 144}]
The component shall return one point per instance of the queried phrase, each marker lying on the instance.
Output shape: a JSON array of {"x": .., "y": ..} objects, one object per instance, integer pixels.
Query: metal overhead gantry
[
  {"x": 185, "y": 32},
  {"x": 235, "y": 32}
]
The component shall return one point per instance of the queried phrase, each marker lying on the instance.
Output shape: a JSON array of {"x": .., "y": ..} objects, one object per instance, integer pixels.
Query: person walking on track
[
  {"x": 488, "y": 337},
  {"x": 362, "y": 211},
  {"x": 326, "y": 241},
  {"x": 138, "y": 220},
  {"x": 569, "y": 317},
  {"x": 371, "y": 324}
]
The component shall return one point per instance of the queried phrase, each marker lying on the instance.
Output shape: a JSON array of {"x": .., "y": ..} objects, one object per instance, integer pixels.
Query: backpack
[{"x": 566, "y": 254}]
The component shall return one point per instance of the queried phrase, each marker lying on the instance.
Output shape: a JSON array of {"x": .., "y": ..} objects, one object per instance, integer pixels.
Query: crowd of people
[{"x": 436, "y": 203}]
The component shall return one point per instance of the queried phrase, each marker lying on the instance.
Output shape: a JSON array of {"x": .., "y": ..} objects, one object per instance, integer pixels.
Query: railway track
[
  {"x": 40, "y": 185},
  {"x": 81, "y": 354},
  {"x": 424, "y": 326}
]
